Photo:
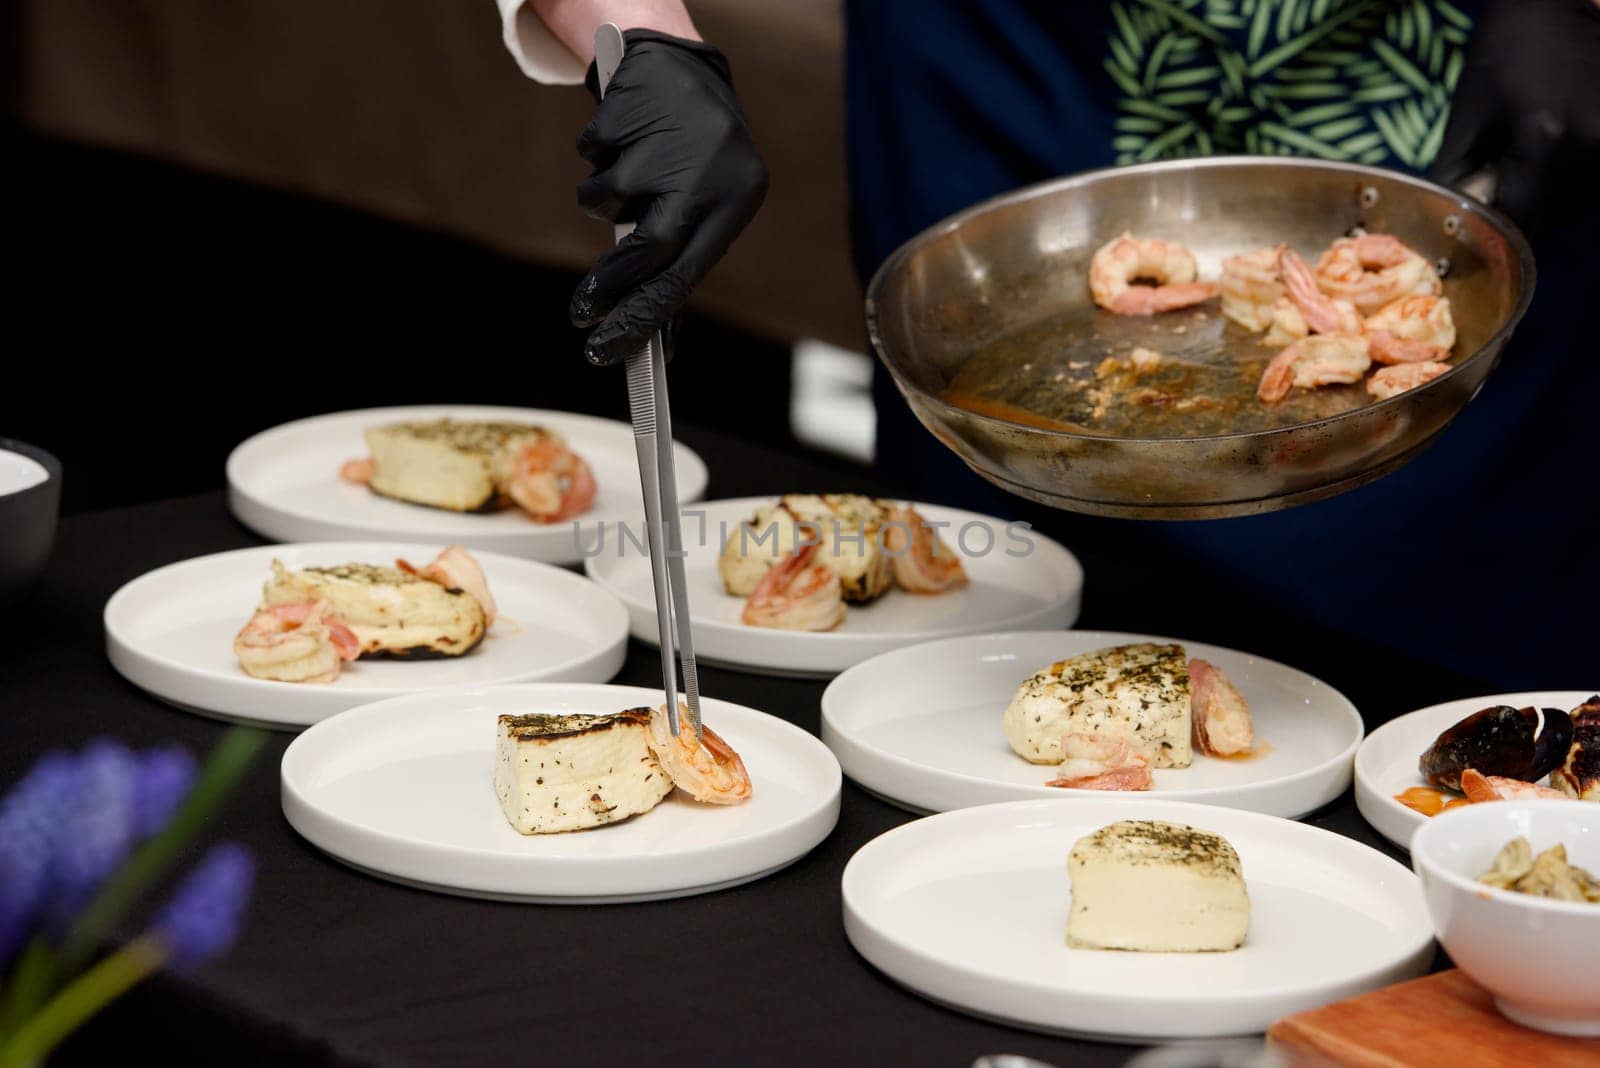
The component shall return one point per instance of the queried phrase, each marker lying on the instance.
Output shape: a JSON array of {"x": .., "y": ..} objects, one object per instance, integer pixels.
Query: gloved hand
[
  {"x": 672, "y": 153},
  {"x": 1528, "y": 107}
]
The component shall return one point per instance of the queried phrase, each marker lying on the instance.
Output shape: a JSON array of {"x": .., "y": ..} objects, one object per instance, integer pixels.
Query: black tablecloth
[{"x": 339, "y": 966}]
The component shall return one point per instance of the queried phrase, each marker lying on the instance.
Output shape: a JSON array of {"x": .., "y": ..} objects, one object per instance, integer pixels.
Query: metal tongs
[{"x": 652, "y": 437}]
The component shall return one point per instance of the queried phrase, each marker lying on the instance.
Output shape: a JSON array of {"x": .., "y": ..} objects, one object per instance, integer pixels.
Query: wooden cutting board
[{"x": 1441, "y": 1019}]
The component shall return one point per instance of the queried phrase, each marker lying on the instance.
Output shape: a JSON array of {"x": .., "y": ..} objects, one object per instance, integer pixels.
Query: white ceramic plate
[
  {"x": 284, "y": 484},
  {"x": 1387, "y": 762},
  {"x": 171, "y": 632},
  {"x": 1041, "y": 587},
  {"x": 921, "y": 727},
  {"x": 402, "y": 789},
  {"x": 969, "y": 908}
]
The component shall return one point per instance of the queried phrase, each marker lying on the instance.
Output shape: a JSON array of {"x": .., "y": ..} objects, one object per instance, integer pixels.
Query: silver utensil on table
[{"x": 651, "y": 415}]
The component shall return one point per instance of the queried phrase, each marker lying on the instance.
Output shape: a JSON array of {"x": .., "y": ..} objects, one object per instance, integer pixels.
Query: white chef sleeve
[{"x": 538, "y": 53}]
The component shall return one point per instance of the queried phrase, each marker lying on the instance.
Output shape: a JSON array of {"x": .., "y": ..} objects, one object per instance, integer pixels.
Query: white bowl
[
  {"x": 1536, "y": 956},
  {"x": 30, "y": 501}
]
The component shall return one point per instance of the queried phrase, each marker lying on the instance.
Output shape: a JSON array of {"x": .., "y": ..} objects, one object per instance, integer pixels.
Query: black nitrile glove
[
  {"x": 671, "y": 152},
  {"x": 1528, "y": 108}
]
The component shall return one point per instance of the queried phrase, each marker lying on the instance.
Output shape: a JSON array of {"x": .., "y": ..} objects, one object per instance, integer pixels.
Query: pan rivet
[
  {"x": 1369, "y": 196},
  {"x": 1441, "y": 266},
  {"x": 1452, "y": 225}
]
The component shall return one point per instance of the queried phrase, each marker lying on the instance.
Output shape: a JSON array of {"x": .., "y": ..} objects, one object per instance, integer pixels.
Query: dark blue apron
[{"x": 1481, "y": 553}]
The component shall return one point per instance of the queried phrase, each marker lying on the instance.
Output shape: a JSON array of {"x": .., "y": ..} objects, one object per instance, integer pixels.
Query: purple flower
[
  {"x": 164, "y": 778},
  {"x": 71, "y": 821},
  {"x": 31, "y": 816},
  {"x": 204, "y": 915},
  {"x": 98, "y": 829}
]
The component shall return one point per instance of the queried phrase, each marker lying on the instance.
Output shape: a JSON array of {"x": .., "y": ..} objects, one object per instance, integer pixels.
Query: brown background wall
[{"x": 412, "y": 110}]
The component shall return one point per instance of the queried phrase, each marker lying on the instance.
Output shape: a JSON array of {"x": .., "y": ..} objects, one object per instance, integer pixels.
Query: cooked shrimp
[
  {"x": 1386, "y": 348},
  {"x": 1418, "y": 317},
  {"x": 1288, "y": 325},
  {"x": 1118, "y": 266},
  {"x": 1374, "y": 269},
  {"x": 1388, "y": 382},
  {"x": 799, "y": 592},
  {"x": 1429, "y": 801},
  {"x": 1220, "y": 716},
  {"x": 705, "y": 768},
  {"x": 1322, "y": 314},
  {"x": 551, "y": 482},
  {"x": 1318, "y": 360},
  {"x": 455, "y": 569},
  {"x": 1090, "y": 762},
  {"x": 299, "y": 642},
  {"x": 1412, "y": 329},
  {"x": 922, "y": 562},
  {"x": 357, "y": 472},
  {"x": 1250, "y": 286},
  {"x": 1480, "y": 787}
]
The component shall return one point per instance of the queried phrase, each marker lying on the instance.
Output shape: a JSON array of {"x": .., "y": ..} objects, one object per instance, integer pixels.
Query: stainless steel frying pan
[{"x": 999, "y": 292}]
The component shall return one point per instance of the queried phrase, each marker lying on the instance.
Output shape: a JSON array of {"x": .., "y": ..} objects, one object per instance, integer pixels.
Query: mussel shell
[
  {"x": 1495, "y": 741},
  {"x": 1579, "y": 775},
  {"x": 1555, "y": 741}
]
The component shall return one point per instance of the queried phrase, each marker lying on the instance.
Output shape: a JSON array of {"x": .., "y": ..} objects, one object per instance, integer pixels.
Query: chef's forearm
[{"x": 573, "y": 22}]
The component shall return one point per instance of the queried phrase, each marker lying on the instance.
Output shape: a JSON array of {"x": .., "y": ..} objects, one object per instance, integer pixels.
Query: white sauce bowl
[{"x": 30, "y": 501}]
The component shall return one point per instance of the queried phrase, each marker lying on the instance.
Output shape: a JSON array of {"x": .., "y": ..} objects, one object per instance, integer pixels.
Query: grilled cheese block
[
  {"x": 847, "y": 529},
  {"x": 1156, "y": 887},
  {"x": 572, "y": 771},
  {"x": 1133, "y": 693},
  {"x": 392, "y": 612},
  {"x": 445, "y": 463}
]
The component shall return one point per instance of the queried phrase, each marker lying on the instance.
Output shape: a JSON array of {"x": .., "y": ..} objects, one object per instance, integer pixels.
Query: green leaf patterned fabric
[{"x": 1362, "y": 80}]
